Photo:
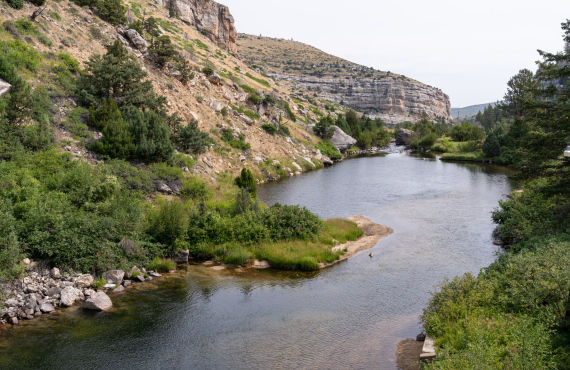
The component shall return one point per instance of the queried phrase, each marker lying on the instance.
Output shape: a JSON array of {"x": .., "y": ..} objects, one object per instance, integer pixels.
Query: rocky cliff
[
  {"x": 392, "y": 97},
  {"x": 212, "y": 19}
]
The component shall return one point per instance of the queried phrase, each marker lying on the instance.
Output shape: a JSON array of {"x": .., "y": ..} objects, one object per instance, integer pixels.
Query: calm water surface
[{"x": 349, "y": 316}]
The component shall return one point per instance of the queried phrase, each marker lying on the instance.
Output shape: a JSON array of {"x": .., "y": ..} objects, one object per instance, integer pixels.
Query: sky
[{"x": 468, "y": 49}]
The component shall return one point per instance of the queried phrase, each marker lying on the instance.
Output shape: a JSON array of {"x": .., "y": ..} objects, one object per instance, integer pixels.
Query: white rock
[
  {"x": 84, "y": 281},
  {"x": 69, "y": 295},
  {"x": 55, "y": 273},
  {"x": 98, "y": 302}
]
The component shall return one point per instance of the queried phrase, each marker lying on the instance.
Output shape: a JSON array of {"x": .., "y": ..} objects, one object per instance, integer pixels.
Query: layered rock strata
[{"x": 212, "y": 19}]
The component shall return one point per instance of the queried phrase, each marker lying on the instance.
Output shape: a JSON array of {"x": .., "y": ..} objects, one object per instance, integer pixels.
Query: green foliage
[
  {"x": 328, "y": 149},
  {"x": 258, "y": 80},
  {"x": 151, "y": 26},
  {"x": 425, "y": 142},
  {"x": 207, "y": 71},
  {"x": 137, "y": 26},
  {"x": 246, "y": 181},
  {"x": 16, "y": 4},
  {"x": 292, "y": 116},
  {"x": 491, "y": 146},
  {"x": 195, "y": 189},
  {"x": 291, "y": 222},
  {"x": 248, "y": 89},
  {"x": 466, "y": 132},
  {"x": 161, "y": 265},
  {"x": 237, "y": 143},
  {"x": 20, "y": 55},
  {"x": 238, "y": 256},
  {"x": 254, "y": 99},
  {"x": 269, "y": 128},
  {"x": 168, "y": 224},
  {"x": 324, "y": 128},
  {"x": 191, "y": 140},
  {"x": 10, "y": 253},
  {"x": 112, "y": 11},
  {"x": 162, "y": 50}
]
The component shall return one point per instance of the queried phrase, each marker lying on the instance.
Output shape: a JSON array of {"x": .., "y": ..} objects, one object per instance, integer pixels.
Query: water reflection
[{"x": 351, "y": 315}]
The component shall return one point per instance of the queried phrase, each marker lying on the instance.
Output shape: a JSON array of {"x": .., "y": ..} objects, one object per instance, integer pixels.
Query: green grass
[
  {"x": 328, "y": 149},
  {"x": 161, "y": 265},
  {"x": 258, "y": 80},
  {"x": 467, "y": 157},
  {"x": 201, "y": 45}
]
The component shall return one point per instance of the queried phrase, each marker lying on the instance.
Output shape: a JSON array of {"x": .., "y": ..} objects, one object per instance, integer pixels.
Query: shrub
[
  {"x": 10, "y": 253},
  {"x": 137, "y": 26},
  {"x": 168, "y": 224},
  {"x": 291, "y": 222},
  {"x": 207, "y": 71},
  {"x": 112, "y": 11},
  {"x": 328, "y": 149},
  {"x": 190, "y": 139},
  {"x": 491, "y": 146},
  {"x": 161, "y": 265},
  {"x": 254, "y": 99},
  {"x": 425, "y": 142},
  {"x": 269, "y": 128},
  {"x": 246, "y": 181},
  {"x": 196, "y": 189},
  {"x": 16, "y": 4},
  {"x": 162, "y": 50},
  {"x": 466, "y": 132},
  {"x": 324, "y": 128}
]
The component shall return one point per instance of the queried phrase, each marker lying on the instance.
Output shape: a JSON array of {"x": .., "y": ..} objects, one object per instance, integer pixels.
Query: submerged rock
[{"x": 98, "y": 302}]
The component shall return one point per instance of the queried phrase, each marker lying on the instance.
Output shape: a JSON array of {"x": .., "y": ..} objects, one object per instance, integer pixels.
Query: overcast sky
[{"x": 468, "y": 49}]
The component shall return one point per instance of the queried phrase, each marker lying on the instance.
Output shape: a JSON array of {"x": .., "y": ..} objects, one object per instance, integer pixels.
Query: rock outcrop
[
  {"x": 341, "y": 140},
  {"x": 404, "y": 137},
  {"x": 393, "y": 99},
  {"x": 212, "y": 19}
]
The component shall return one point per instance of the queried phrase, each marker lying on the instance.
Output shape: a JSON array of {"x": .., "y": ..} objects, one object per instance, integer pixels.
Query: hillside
[
  {"x": 394, "y": 98},
  {"x": 233, "y": 99},
  {"x": 470, "y": 110}
]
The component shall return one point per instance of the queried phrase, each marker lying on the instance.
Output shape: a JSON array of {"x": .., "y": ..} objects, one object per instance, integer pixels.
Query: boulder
[
  {"x": 182, "y": 256},
  {"x": 119, "y": 289},
  {"x": 98, "y": 302},
  {"x": 341, "y": 140},
  {"x": 404, "y": 137},
  {"x": 53, "y": 291},
  {"x": 114, "y": 276},
  {"x": 4, "y": 87},
  {"x": 215, "y": 79},
  {"x": 11, "y": 302},
  {"x": 46, "y": 307},
  {"x": 217, "y": 105},
  {"x": 55, "y": 273},
  {"x": 136, "y": 39},
  {"x": 84, "y": 281},
  {"x": 69, "y": 295}
]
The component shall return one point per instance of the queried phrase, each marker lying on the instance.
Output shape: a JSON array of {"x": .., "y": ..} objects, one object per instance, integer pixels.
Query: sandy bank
[{"x": 372, "y": 234}]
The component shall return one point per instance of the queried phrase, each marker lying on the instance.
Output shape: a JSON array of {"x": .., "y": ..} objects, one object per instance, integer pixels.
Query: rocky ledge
[{"x": 42, "y": 291}]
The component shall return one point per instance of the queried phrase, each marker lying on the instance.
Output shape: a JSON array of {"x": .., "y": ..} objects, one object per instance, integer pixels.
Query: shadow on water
[{"x": 351, "y": 315}]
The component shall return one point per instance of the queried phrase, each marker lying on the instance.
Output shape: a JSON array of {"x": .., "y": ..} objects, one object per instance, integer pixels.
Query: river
[{"x": 349, "y": 316}]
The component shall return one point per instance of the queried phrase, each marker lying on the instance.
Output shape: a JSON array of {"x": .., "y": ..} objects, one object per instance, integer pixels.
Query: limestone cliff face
[
  {"x": 210, "y": 18},
  {"x": 393, "y": 99},
  {"x": 390, "y": 96}
]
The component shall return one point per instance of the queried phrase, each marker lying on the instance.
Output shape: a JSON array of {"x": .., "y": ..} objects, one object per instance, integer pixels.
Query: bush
[
  {"x": 425, "y": 142},
  {"x": 191, "y": 140},
  {"x": 112, "y": 11},
  {"x": 269, "y": 128},
  {"x": 246, "y": 181},
  {"x": 328, "y": 149},
  {"x": 16, "y": 4},
  {"x": 291, "y": 223},
  {"x": 491, "y": 146},
  {"x": 238, "y": 256},
  {"x": 168, "y": 224},
  {"x": 466, "y": 132},
  {"x": 196, "y": 189},
  {"x": 254, "y": 99},
  {"x": 162, "y": 51},
  {"x": 207, "y": 71},
  {"x": 324, "y": 128}
]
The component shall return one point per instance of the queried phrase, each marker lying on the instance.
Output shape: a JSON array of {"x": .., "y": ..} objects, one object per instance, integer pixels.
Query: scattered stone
[
  {"x": 46, "y": 307},
  {"x": 98, "y": 302},
  {"x": 11, "y": 302},
  {"x": 119, "y": 289},
  {"x": 137, "y": 40},
  {"x": 55, "y": 273},
  {"x": 217, "y": 105},
  {"x": 140, "y": 278},
  {"x": 404, "y": 137},
  {"x": 26, "y": 261},
  {"x": 88, "y": 292},
  {"x": 53, "y": 291},
  {"x": 84, "y": 281},
  {"x": 154, "y": 274},
  {"x": 127, "y": 283},
  {"x": 114, "y": 276},
  {"x": 215, "y": 79},
  {"x": 69, "y": 295},
  {"x": 13, "y": 320}
]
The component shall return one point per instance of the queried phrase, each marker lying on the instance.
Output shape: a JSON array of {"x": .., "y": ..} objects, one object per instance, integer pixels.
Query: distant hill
[{"x": 470, "y": 110}]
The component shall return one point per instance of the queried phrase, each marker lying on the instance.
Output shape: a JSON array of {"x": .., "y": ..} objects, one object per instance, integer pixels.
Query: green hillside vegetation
[
  {"x": 516, "y": 313},
  {"x": 73, "y": 213}
]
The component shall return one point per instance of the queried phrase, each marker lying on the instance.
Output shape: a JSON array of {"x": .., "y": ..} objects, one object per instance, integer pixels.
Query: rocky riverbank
[{"x": 42, "y": 291}]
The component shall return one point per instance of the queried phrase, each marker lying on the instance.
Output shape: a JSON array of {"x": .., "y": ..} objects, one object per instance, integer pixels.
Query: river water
[{"x": 349, "y": 316}]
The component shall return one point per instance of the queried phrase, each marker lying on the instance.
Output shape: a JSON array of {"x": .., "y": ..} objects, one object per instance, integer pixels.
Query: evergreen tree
[{"x": 246, "y": 181}]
